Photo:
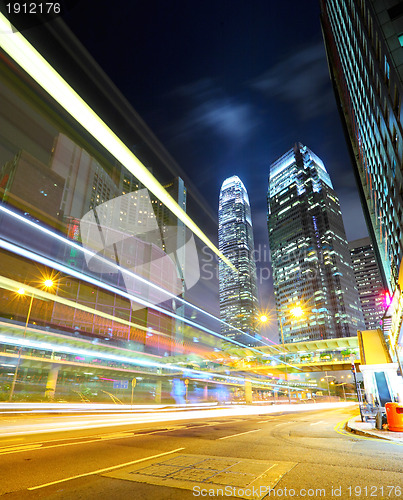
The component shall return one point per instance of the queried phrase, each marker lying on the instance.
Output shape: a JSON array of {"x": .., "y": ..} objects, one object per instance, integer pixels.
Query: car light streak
[
  {"x": 60, "y": 267},
  {"x": 16, "y": 249},
  {"x": 204, "y": 375},
  {"x": 80, "y": 422},
  {"x": 26, "y": 56}
]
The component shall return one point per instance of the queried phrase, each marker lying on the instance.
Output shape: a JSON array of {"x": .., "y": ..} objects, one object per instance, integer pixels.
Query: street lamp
[
  {"x": 344, "y": 392},
  {"x": 296, "y": 312},
  {"x": 327, "y": 380},
  {"x": 47, "y": 283}
]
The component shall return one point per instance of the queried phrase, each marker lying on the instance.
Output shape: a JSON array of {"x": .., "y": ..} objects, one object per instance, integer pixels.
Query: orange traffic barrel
[{"x": 394, "y": 414}]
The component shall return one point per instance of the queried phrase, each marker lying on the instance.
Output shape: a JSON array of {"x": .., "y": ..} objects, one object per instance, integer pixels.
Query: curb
[{"x": 360, "y": 432}]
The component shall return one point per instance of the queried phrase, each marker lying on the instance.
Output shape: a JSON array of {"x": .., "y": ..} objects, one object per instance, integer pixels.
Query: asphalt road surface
[{"x": 287, "y": 455}]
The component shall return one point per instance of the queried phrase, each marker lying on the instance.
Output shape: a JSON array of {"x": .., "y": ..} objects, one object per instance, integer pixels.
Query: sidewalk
[{"x": 368, "y": 429}]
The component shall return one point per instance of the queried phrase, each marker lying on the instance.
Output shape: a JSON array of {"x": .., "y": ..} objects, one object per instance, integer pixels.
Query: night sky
[{"x": 227, "y": 87}]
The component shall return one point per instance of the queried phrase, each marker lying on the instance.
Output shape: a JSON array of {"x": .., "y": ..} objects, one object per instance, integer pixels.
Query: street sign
[
  {"x": 186, "y": 381},
  {"x": 134, "y": 382},
  {"x": 121, "y": 384}
]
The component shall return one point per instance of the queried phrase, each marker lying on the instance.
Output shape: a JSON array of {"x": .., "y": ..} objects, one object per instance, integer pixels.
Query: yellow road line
[
  {"x": 107, "y": 469},
  {"x": 339, "y": 428},
  {"x": 117, "y": 435},
  {"x": 240, "y": 434},
  {"x": 19, "y": 448}
]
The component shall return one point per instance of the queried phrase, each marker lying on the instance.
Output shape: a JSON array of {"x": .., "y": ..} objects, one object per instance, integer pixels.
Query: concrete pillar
[
  {"x": 248, "y": 392},
  {"x": 205, "y": 392},
  {"x": 52, "y": 381},
  {"x": 158, "y": 390}
]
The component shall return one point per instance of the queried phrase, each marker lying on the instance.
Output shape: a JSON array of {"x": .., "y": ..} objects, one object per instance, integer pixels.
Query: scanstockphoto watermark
[
  {"x": 263, "y": 259},
  {"x": 384, "y": 491},
  {"x": 267, "y": 491}
]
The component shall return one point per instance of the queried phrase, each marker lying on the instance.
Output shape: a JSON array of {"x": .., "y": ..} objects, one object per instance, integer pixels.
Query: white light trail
[{"x": 26, "y": 56}]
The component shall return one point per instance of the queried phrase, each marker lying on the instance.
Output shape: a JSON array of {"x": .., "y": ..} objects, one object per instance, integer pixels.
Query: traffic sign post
[
  {"x": 186, "y": 383},
  {"x": 134, "y": 382}
]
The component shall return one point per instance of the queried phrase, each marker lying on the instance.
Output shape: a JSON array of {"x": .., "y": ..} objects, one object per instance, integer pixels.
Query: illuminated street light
[
  {"x": 48, "y": 283},
  {"x": 344, "y": 391},
  {"x": 263, "y": 318},
  {"x": 331, "y": 383},
  {"x": 297, "y": 311}
]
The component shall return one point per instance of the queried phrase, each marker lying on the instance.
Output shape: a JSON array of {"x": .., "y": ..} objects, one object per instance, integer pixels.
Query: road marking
[
  {"x": 98, "y": 439},
  {"x": 107, "y": 469},
  {"x": 117, "y": 435},
  {"x": 19, "y": 448},
  {"x": 258, "y": 477},
  {"x": 339, "y": 428},
  {"x": 240, "y": 434},
  {"x": 320, "y": 422},
  {"x": 264, "y": 421}
]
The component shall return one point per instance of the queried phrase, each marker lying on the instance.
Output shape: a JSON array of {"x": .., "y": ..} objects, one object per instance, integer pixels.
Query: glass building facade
[
  {"x": 310, "y": 257},
  {"x": 365, "y": 55},
  {"x": 238, "y": 289},
  {"x": 103, "y": 224},
  {"x": 369, "y": 282}
]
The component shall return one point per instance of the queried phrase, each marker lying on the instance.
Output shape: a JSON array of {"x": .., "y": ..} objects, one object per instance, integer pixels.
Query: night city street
[
  {"x": 304, "y": 444},
  {"x": 201, "y": 249}
]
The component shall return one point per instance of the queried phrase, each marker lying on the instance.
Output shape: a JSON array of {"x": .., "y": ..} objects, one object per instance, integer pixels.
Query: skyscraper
[
  {"x": 364, "y": 45},
  {"x": 369, "y": 282},
  {"x": 310, "y": 257},
  {"x": 238, "y": 289}
]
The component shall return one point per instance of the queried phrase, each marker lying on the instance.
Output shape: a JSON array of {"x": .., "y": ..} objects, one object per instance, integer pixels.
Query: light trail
[
  {"x": 11, "y": 247},
  {"x": 56, "y": 265},
  {"x": 26, "y": 56},
  {"x": 189, "y": 372},
  {"x": 81, "y": 422}
]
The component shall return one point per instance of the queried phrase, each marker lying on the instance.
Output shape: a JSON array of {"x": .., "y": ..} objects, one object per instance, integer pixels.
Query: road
[{"x": 298, "y": 455}]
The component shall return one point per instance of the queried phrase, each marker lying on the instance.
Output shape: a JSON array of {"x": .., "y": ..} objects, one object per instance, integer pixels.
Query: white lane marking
[
  {"x": 320, "y": 422},
  {"x": 240, "y": 434},
  {"x": 256, "y": 478},
  {"x": 264, "y": 421},
  {"x": 99, "y": 471}
]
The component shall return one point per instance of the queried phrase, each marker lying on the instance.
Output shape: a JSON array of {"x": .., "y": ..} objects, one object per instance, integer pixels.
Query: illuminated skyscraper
[
  {"x": 238, "y": 290},
  {"x": 364, "y": 45},
  {"x": 369, "y": 282},
  {"x": 310, "y": 257}
]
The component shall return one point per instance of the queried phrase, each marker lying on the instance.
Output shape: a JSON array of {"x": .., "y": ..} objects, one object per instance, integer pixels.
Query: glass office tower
[
  {"x": 238, "y": 289},
  {"x": 364, "y": 45},
  {"x": 369, "y": 282},
  {"x": 310, "y": 256}
]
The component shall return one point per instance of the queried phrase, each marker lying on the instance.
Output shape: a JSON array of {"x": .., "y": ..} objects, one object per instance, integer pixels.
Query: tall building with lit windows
[
  {"x": 310, "y": 256},
  {"x": 369, "y": 282},
  {"x": 364, "y": 45},
  {"x": 238, "y": 289}
]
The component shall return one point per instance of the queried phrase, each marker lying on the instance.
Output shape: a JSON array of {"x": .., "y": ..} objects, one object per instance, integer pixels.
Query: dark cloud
[
  {"x": 210, "y": 108},
  {"x": 302, "y": 79}
]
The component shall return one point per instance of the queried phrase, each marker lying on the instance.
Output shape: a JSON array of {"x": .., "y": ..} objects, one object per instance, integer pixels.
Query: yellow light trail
[
  {"x": 15, "y": 286},
  {"x": 26, "y": 56}
]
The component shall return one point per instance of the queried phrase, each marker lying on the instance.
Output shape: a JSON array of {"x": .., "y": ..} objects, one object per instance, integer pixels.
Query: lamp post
[
  {"x": 327, "y": 380},
  {"x": 48, "y": 283},
  {"x": 344, "y": 392},
  {"x": 296, "y": 312},
  {"x": 284, "y": 360}
]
